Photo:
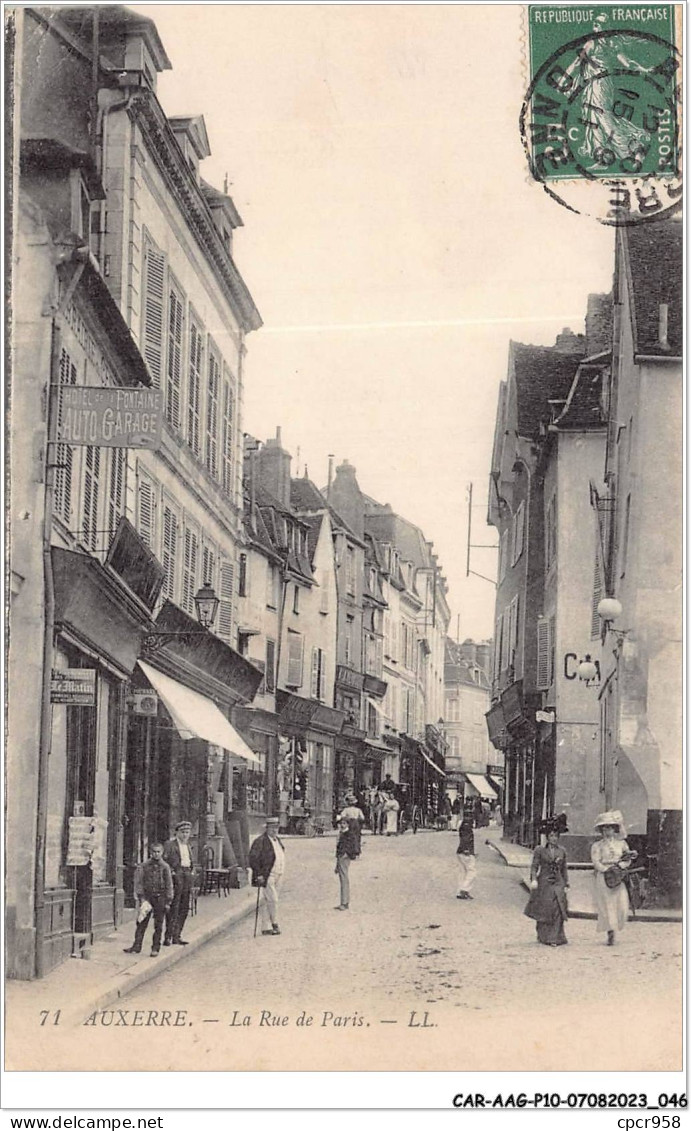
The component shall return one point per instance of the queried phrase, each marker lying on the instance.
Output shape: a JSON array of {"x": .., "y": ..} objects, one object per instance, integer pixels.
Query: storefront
[
  {"x": 98, "y": 625},
  {"x": 306, "y": 767}
]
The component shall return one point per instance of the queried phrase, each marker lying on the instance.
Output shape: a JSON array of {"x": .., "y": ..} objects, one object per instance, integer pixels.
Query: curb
[
  {"x": 126, "y": 983},
  {"x": 644, "y": 917}
]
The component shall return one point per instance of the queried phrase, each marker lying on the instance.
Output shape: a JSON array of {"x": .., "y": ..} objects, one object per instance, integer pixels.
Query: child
[
  {"x": 465, "y": 855},
  {"x": 153, "y": 887},
  {"x": 347, "y": 849}
]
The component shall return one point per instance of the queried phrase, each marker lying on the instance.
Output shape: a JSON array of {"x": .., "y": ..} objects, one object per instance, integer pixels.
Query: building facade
[{"x": 473, "y": 767}]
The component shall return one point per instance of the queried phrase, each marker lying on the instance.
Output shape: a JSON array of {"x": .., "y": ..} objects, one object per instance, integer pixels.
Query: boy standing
[
  {"x": 347, "y": 849},
  {"x": 153, "y": 886}
]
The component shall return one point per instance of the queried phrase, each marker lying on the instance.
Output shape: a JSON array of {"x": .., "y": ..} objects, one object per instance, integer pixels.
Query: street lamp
[
  {"x": 587, "y": 670},
  {"x": 206, "y": 606}
]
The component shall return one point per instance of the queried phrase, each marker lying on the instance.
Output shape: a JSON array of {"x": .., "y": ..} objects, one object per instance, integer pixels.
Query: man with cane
[{"x": 267, "y": 862}]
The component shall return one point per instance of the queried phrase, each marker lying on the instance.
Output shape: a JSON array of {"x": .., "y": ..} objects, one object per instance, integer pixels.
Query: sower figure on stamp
[
  {"x": 153, "y": 887},
  {"x": 178, "y": 854},
  {"x": 267, "y": 861}
]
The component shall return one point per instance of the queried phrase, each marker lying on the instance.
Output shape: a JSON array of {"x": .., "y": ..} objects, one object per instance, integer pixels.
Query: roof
[
  {"x": 314, "y": 523},
  {"x": 305, "y": 495},
  {"x": 541, "y": 374},
  {"x": 655, "y": 272},
  {"x": 405, "y": 536},
  {"x": 584, "y": 408},
  {"x": 112, "y": 18}
]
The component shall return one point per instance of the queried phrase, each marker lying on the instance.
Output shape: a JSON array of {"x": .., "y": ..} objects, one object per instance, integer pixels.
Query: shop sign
[
  {"x": 348, "y": 677},
  {"x": 74, "y": 686},
  {"x": 144, "y": 702},
  {"x": 110, "y": 418}
]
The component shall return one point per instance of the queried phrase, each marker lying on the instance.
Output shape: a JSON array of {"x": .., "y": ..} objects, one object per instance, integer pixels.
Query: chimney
[
  {"x": 346, "y": 498},
  {"x": 598, "y": 324},
  {"x": 569, "y": 343},
  {"x": 273, "y": 469}
]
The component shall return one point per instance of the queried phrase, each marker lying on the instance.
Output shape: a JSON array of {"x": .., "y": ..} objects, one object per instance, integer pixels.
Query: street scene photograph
[{"x": 343, "y": 543}]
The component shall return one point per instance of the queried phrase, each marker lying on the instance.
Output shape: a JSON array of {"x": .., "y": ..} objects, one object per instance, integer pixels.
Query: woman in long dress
[
  {"x": 612, "y": 902},
  {"x": 549, "y": 881},
  {"x": 391, "y": 808}
]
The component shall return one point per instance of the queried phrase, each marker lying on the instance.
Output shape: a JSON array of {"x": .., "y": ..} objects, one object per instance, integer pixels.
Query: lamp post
[{"x": 206, "y": 606}]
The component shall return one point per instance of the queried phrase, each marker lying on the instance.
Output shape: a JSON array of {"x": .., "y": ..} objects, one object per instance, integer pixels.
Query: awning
[
  {"x": 427, "y": 758},
  {"x": 480, "y": 783},
  {"x": 196, "y": 716}
]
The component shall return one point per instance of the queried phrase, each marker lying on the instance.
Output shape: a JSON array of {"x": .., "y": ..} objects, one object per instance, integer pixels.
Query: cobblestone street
[{"x": 406, "y": 953}]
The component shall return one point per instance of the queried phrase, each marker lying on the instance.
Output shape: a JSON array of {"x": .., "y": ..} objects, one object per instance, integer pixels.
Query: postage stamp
[{"x": 604, "y": 105}]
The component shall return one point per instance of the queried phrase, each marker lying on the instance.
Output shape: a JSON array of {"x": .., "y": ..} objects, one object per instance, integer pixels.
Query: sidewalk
[
  {"x": 581, "y": 901},
  {"x": 78, "y": 986}
]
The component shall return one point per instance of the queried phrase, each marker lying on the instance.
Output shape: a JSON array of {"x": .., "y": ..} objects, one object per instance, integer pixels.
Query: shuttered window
[
  {"x": 64, "y": 454},
  {"x": 227, "y": 436},
  {"x": 225, "y": 607},
  {"x": 270, "y": 673},
  {"x": 208, "y": 565},
  {"x": 90, "y": 499},
  {"x": 598, "y": 594},
  {"x": 169, "y": 554},
  {"x": 317, "y": 680},
  {"x": 295, "y": 654},
  {"x": 545, "y": 653},
  {"x": 146, "y": 509},
  {"x": 116, "y": 487},
  {"x": 212, "y": 395},
  {"x": 176, "y": 330},
  {"x": 194, "y": 390},
  {"x": 190, "y": 569},
  {"x": 152, "y": 309}
]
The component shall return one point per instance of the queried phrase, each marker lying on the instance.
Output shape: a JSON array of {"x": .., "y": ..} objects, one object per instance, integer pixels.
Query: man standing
[
  {"x": 267, "y": 861},
  {"x": 465, "y": 858},
  {"x": 153, "y": 886},
  {"x": 178, "y": 855}
]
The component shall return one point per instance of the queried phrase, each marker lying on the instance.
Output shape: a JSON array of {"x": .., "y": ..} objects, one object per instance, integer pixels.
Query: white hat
[{"x": 611, "y": 817}]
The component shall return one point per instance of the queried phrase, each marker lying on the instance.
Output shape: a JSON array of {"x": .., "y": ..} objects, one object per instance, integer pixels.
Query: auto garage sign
[{"x": 110, "y": 418}]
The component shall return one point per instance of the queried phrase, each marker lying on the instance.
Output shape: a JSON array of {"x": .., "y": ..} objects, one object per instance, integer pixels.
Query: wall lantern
[
  {"x": 587, "y": 672},
  {"x": 206, "y": 603},
  {"x": 609, "y": 609}
]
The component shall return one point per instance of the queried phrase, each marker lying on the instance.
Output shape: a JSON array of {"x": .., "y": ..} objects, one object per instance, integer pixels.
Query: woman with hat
[
  {"x": 549, "y": 882},
  {"x": 611, "y": 856}
]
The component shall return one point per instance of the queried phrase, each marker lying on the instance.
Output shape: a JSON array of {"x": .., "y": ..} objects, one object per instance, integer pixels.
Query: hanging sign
[
  {"x": 75, "y": 686},
  {"x": 110, "y": 418}
]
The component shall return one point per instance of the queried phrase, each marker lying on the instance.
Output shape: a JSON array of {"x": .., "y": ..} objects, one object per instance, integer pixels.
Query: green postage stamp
[{"x": 604, "y": 101}]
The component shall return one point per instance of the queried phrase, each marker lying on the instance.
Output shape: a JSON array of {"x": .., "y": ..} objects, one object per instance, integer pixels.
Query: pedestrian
[
  {"x": 153, "y": 888},
  {"x": 178, "y": 855},
  {"x": 388, "y": 785},
  {"x": 391, "y": 808},
  {"x": 267, "y": 862},
  {"x": 477, "y": 812},
  {"x": 465, "y": 858},
  {"x": 549, "y": 882},
  {"x": 347, "y": 849},
  {"x": 611, "y": 856},
  {"x": 352, "y": 812},
  {"x": 455, "y": 814}
]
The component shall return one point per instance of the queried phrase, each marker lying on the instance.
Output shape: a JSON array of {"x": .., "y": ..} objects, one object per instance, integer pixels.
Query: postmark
[{"x": 601, "y": 119}]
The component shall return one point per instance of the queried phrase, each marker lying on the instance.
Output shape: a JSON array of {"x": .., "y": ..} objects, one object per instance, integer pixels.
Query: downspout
[{"x": 46, "y": 724}]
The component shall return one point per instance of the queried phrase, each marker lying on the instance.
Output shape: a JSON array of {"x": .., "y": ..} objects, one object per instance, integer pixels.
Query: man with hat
[
  {"x": 178, "y": 855},
  {"x": 267, "y": 861}
]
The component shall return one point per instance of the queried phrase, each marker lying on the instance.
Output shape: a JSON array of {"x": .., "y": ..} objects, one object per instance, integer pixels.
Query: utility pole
[{"x": 475, "y": 546}]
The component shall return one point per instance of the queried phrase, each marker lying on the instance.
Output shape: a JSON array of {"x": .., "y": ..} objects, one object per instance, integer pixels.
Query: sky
[{"x": 393, "y": 241}]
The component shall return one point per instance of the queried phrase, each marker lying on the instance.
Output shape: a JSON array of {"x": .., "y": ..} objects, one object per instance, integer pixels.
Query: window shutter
[
  {"x": 225, "y": 608},
  {"x": 314, "y": 680},
  {"x": 227, "y": 438},
  {"x": 189, "y": 570},
  {"x": 544, "y": 654},
  {"x": 212, "y": 414},
  {"x": 146, "y": 511},
  {"x": 170, "y": 550},
  {"x": 595, "y": 622},
  {"x": 394, "y": 640},
  {"x": 295, "y": 656},
  {"x": 269, "y": 676},
  {"x": 62, "y": 497},
  {"x": 116, "y": 491},
  {"x": 176, "y": 320},
  {"x": 208, "y": 565},
  {"x": 152, "y": 320},
  {"x": 92, "y": 469},
  {"x": 195, "y": 390}
]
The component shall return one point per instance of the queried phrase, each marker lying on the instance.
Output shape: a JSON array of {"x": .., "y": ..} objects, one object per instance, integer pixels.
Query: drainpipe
[{"x": 46, "y": 724}]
